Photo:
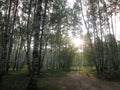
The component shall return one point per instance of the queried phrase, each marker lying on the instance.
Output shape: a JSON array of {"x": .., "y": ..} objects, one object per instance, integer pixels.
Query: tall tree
[{"x": 35, "y": 62}]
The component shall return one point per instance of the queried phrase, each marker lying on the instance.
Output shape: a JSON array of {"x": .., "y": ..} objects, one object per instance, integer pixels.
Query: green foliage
[
  {"x": 110, "y": 75},
  {"x": 88, "y": 56},
  {"x": 66, "y": 56},
  {"x": 111, "y": 52},
  {"x": 59, "y": 12},
  {"x": 89, "y": 71}
]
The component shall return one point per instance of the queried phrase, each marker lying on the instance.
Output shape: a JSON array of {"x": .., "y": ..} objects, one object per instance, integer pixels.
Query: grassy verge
[
  {"x": 15, "y": 81},
  {"x": 89, "y": 71},
  {"x": 110, "y": 75},
  {"x": 18, "y": 80},
  {"x": 42, "y": 85}
]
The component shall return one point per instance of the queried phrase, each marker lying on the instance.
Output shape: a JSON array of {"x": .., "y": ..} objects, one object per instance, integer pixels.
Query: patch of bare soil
[{"x": 75, "y": 81}]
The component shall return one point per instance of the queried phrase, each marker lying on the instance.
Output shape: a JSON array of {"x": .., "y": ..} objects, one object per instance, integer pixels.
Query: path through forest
[{"x": 75, "y": 81}]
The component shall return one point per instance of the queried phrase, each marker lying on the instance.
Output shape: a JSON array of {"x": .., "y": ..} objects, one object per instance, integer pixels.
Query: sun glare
[
  {"x": 70, "y": 3},
  {"x": 78, "y": 42}
]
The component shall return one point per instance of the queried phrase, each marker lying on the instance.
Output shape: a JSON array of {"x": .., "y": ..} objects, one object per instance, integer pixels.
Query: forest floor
[{"x": 75, "y": 81}]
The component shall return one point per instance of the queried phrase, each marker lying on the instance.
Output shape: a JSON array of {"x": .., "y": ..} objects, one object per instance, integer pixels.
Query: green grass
[
  {"x": 18, "y": 80},
  {"x": 15, "y": 81},
  {"x": 110, "y": 75},
  {"x": 89, "y": 71},
  {"x": 42, "y": 85},
  {"x": 74, "y": 68}
]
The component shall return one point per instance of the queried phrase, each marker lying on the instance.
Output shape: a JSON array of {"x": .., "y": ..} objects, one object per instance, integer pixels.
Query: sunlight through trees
[{"x": 40, "y": 37}]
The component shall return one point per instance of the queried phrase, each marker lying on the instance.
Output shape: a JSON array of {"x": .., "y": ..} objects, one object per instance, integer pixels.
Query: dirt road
[{"x": 75, "y": 81}]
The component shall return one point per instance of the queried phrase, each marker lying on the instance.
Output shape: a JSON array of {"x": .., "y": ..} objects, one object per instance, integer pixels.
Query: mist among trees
[{"x": 42, "y": 41}]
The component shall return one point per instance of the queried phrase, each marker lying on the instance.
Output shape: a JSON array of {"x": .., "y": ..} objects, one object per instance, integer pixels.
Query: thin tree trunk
[
  {"x": 41, "y": 38},
  {"x": 10, "y": 42},
  {"x": 4, "y": 42},
  {"x": 15, "y": 60},
  {"x": 28, "y": 40},
  {"x": 42, "y": 60}
]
